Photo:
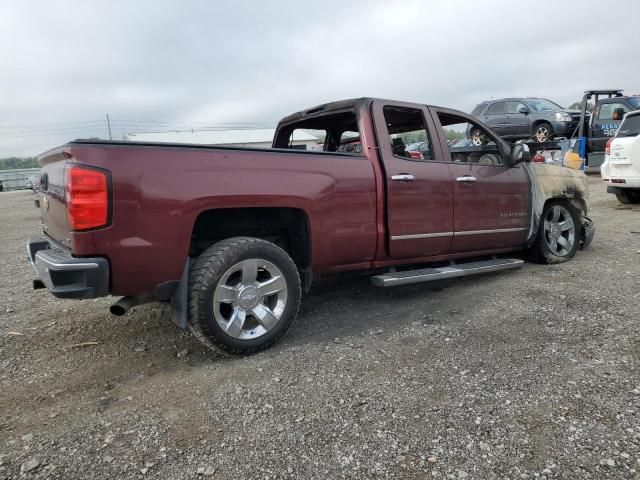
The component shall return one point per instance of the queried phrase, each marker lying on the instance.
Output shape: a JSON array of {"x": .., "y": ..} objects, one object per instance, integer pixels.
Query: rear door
[
  {"x": 491, "y": 200},
  {"x": 496, "y": 117},
  {"x": 517, "y": 123},
  {"x": 419, "y": 191}
]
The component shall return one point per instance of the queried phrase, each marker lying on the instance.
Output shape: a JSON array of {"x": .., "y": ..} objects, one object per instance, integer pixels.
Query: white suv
[{"x": 621, "y": 168}]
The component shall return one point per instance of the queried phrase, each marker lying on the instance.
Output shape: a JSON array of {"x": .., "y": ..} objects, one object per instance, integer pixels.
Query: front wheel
[
  {"x": 543, "y": 132},
  {"x": 244, "y": 294},
  {"x": 558, "y": 234},
  {"x": 627, "y": 196}
]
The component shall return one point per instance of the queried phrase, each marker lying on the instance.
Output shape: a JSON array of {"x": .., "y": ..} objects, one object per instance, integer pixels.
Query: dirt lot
[{"x": 525, "y": 374}]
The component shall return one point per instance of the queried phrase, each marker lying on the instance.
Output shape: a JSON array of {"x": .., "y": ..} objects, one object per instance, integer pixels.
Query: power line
[
  {"x": 50, "y": 124},
  {"x": 189, "y": 124},
  {"x": 26, "y": 147},
  {"x": 49, "y": 133},
  {"x": 133, "y": 126},
  {"x": 150, "y": 129},
  {"x": 36, "y": 126}
]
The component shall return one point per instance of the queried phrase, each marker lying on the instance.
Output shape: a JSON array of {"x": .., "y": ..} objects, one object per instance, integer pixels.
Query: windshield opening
[{"x": 542, "y": 105}]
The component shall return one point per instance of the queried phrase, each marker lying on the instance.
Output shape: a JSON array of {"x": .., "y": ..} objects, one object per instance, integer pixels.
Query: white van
[{"x": 621, "y": 168}]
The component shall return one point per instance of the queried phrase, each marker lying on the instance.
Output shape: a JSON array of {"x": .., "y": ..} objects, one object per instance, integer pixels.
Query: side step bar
[{"x": 440, "y": 273}]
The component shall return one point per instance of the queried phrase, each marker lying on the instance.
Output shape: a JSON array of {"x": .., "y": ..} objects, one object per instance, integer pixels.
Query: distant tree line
[
  {"x": 421, "y": 136},
  {"x": 11, "y": 163},
  {"x": 578, "y": 106}
]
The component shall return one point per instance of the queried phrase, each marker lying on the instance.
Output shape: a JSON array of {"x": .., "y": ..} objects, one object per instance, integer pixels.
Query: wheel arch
[
  {"x": 539, "y": 122},
  {"x": 578, "y": 203},
  {"x": 552, "y": 183},
  {"x": 544, "y": 249},
  {"x": 290, "y": 225},
  {"x": 287, "y": 227}
]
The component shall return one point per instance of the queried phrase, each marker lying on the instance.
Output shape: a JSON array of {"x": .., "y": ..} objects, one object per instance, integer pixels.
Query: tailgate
[
  {"x": 624, "y": 159},
  {"x": 52, "y": 196}
]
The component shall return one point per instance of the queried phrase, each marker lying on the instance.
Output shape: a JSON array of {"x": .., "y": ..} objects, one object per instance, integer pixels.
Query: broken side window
[
  {"x": 408, "y": 134},
  {"x": 469, "y": 142}
]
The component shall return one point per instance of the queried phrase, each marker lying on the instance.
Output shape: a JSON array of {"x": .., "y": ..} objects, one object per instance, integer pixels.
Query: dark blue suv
[{"x": 524, "y": 118}]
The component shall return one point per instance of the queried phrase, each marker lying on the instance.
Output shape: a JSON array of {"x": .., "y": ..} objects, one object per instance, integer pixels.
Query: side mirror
[
  {"x": 523, "y": 109},
  {"x": 520, "y": 153}
]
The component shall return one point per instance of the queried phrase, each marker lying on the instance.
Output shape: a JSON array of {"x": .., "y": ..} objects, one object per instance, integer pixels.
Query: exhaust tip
[
  {"x": 125, "y": 304},
  {"x": 117, "y": 310}
]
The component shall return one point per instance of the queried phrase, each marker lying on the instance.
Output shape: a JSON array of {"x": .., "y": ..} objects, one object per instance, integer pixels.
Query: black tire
[
  {"x": 538, "y": 131},
  {"x": 541, "y": 250},
  {"x": 627, "y": 196},
  {"x": 205, "y": 276}
]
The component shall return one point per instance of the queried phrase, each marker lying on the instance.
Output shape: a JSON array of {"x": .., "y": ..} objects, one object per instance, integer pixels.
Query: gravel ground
[{"x": 524, "y": 374}]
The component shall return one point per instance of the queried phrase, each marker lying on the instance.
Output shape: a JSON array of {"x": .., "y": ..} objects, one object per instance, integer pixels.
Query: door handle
[
  {"x": 467, "y": 179},
  {"x": 403, "y": 177}
]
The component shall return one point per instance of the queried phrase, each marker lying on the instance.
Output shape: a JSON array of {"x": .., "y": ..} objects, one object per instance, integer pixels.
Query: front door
[
  {"x": 491, "y": 200},
  {"x": 607, "y": 118},
  {"x": 419, "y": 190}
]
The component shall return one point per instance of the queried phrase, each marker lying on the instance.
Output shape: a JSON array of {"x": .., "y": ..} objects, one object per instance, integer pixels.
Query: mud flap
[
  {"x": 179, "y": 300},
  {"x": 588, "y": 231}
]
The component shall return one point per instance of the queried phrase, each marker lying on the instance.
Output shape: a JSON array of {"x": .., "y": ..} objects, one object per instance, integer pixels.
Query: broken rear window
[{"x": 337, "y": 132}]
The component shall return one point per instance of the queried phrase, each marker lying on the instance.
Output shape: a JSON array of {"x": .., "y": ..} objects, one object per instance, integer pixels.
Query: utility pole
[{"x": 109, "y": 127}]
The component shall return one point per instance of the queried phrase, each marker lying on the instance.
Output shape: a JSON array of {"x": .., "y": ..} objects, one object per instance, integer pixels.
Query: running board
[{"x": 440, "y": 273}]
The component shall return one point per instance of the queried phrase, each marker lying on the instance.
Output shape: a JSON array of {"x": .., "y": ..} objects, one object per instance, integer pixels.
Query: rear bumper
[
  {"x": 65, "y": 275},
  {"x": 614, "y": 187}
]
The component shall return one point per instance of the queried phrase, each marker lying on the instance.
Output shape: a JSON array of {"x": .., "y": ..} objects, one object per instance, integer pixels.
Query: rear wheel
[
  {"x": 627, "y": 196},
  {"x": 543, "y": 132},
  {"x": 558, "y": 234},
  {"x": 244, "y": 294}
]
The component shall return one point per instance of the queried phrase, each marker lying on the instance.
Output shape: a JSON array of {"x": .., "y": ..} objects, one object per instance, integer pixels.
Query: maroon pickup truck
[{"x": 232, "y": 236}]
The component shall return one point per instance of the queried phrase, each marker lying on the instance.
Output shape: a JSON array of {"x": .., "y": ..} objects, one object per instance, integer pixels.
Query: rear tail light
[
  {"x": 87, "y": 196},
  {"x": 607, "y": 148}
]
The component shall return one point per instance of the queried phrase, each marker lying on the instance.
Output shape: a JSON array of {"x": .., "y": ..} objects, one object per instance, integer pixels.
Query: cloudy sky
[{"x": 157, "y": 65}]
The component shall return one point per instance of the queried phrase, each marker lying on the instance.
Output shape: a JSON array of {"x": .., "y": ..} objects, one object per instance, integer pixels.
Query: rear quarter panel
[{"x": 158, "y": 192}]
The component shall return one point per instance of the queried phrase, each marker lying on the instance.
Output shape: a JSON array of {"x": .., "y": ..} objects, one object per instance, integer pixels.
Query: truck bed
[{"x": 158, "y": 191}]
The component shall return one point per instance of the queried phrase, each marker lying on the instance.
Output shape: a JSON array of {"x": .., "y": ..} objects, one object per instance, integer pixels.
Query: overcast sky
[{"x": 156, "y": 64}]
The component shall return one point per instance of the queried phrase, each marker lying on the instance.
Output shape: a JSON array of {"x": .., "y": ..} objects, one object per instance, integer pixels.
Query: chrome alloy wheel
[
  {"x": 559, "y": 231},
  {"x": 542, "y": 134},
  {"x": 250, "y": 299}
]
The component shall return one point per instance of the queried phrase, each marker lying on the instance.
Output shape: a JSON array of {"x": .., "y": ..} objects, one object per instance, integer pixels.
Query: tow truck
[
  {"x": 585, "y": 149},
  {"x": 594, "y": 130}
]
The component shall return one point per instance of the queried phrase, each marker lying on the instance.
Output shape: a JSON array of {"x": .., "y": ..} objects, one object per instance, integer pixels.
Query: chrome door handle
[
  {"x": 403, "y": 177},
  {"x": 467, "y": 179}
]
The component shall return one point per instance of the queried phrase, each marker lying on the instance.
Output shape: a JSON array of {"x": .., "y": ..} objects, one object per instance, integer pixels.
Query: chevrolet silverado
[{"x": 231, "y": 237}]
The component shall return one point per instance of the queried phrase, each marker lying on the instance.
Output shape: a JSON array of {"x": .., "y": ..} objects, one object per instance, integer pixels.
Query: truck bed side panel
[{"x": 158, "y": 192}]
